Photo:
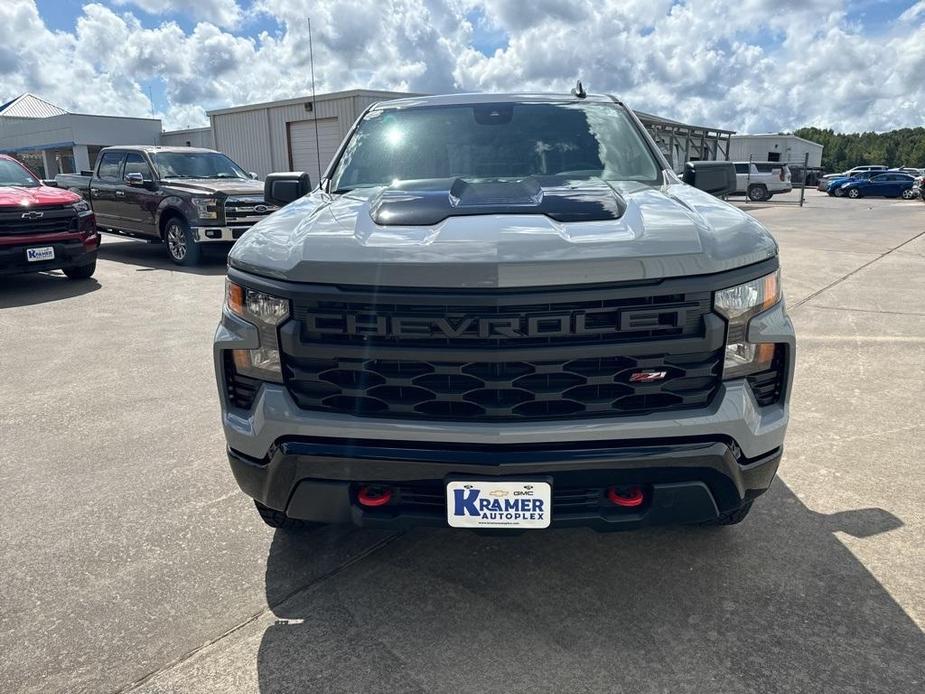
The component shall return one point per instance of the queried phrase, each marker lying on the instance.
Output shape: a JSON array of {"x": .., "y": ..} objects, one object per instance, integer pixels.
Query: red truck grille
[{"x": 38, "y": 220}]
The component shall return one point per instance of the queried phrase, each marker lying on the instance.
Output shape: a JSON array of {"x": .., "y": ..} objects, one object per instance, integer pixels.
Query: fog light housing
[{"x": 738, "y": 305}]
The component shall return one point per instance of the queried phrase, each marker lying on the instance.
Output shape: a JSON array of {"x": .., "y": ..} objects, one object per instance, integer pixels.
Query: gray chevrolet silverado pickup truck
[
  {"x": 503, "y": 312},
  {"x": 185, "y": 197}
]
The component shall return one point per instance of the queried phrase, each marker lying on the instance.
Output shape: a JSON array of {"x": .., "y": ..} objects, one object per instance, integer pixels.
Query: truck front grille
[
  {"x": 53, "y": 219},
  {"x": 247, "y": 211},
  {"x": 496, "y": 357}
]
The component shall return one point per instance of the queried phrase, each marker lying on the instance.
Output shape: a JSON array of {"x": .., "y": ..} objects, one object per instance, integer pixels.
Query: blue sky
[{"x": 861, "y": 62}]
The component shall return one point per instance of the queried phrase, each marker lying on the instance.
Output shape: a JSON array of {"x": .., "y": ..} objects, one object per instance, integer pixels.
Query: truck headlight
[
  {"x": 206, "y": 208},
  {"x": 266, "y": 313},
  {"x": 81, "y": 206},
  {"x": 738, "y": 304}
]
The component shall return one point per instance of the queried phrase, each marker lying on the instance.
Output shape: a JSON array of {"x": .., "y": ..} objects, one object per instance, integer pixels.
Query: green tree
[{"x": 903, "y": 147}]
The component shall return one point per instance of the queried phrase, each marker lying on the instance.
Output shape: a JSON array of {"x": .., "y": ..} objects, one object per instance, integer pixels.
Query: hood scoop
[{"x": 427, "y": 203}]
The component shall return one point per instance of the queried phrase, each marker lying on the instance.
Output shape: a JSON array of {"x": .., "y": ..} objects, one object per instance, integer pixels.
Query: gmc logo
[{"x": 578, "y": 323}]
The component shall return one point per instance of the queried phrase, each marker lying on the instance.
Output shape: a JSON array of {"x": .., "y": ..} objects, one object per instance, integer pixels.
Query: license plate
[
  {"x": 494, "y": 504},
  {"x": 35, "y": 255}
]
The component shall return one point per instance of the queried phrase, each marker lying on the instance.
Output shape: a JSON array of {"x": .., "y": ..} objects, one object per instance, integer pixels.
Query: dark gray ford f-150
[
  {"x": 182, "y": 196},
  {"x": 503, "y": 311}
]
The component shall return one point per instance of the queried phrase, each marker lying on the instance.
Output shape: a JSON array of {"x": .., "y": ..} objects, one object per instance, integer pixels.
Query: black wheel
[
  {"x": 81, "y": 272},
  {"x": 181, "y": 247},
  {"x": 274, "y": 518},
  {"x": 854, "y": 193},
  {"x": 732, "y": 517},
  {"x": 757, "y": 193}
]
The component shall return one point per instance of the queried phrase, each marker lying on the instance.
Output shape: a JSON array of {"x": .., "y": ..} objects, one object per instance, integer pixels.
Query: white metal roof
[
  {"x": 301, "y": 99},
  {"x": 775, "y": 136},
  {"x": 30, "y": 106}
]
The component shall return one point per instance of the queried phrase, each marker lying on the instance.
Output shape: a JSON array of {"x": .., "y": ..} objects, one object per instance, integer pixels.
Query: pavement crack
[
  {"x": 256, "y": 616},
  {"x": 857, "y": 270},
  {"x": 867, "y": 310}
]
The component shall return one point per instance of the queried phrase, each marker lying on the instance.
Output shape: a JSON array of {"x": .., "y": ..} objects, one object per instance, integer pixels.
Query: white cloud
[
  {"x": 751, "y": 65},
  {"x": 224, "y": 13}
]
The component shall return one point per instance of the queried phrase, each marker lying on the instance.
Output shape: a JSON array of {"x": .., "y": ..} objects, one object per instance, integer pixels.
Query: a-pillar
[{"x": 81, "y": 158}]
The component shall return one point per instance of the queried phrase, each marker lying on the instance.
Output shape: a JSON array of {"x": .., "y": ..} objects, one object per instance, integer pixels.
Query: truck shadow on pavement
[
  {"x": 777, "y": 604},
  {"x": 153, "y": 256},
  {"x": 41, "y": 288}
]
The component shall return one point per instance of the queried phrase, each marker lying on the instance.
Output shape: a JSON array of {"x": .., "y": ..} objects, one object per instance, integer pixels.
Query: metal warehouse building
[
  {"x": 773, "y": 147},
  {"x": 280, "y": 135}
]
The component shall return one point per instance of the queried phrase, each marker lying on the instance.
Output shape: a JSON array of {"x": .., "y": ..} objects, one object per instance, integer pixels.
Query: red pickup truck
[{"x": 43, "y": 228}]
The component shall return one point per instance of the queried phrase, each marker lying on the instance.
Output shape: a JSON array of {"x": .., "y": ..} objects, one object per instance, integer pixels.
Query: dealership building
[
  {"x": 51, "y": 140},
  {"x": 300, "y": 134}
]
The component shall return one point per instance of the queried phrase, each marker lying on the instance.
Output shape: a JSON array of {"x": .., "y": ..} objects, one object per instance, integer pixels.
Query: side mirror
[
  {"x": 253, "y": 175},
  {"x": 282, "y": 188},
  {"x": 136, "y": 180},
  {"x": 50, "y": 182},
  {"x": 715, "y": 177}
]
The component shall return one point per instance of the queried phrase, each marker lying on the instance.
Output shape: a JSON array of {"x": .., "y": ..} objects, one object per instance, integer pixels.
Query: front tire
[
  {"x": 854, "y": 193},
  {"x": 80, "y": 272},
  {"x": 181, "y": 247},
  {"x": 757, "y": 193},
  {"x": 908, "y": 194}
]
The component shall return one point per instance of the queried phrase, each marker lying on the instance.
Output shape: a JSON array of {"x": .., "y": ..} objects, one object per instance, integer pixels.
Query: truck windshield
[
  {"x": 12, "y": 174},
  {"x": 196, "y": 165},
  {"x": 495, "y": 141}
]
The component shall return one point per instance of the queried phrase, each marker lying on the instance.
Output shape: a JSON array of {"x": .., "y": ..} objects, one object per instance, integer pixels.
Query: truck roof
[
  {"x": 483, "y": 98},
  {"x": 157, "y": 148}
]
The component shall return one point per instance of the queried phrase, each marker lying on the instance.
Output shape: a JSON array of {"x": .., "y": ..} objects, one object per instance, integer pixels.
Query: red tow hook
[
  {"x": 374, "y": 496},
  {"x": 628, "y": 497}
]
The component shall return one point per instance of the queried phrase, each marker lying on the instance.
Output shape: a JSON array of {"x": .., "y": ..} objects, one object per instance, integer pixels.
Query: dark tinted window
[
  {"x": 110, "y": 163},
  {"x": 492, "y": 141},
  {"x": 136, "y": 163},
  {"x": 741, "y": 168},
  {"x": 197, "y": 165}
]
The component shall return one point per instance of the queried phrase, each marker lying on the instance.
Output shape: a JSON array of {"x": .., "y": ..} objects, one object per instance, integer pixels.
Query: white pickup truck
[{"x": 761, "y": 180}]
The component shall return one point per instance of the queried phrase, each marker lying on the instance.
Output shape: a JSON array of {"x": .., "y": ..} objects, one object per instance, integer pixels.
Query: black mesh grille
[
  {"x": 52, "y": 219},
  {"x": 768, "y": 385},
  {"x": 641, "y": 353}
]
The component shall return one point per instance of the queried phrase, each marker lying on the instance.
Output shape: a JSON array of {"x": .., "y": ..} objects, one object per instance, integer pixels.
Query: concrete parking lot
[{"x": 129, "y": 561}]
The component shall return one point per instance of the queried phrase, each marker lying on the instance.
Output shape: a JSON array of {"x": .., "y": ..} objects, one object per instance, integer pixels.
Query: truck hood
[
  {"x": 646, "y": 233},
  {"x": 13, "y": 196},
  {"x": 226, "y": 186}
]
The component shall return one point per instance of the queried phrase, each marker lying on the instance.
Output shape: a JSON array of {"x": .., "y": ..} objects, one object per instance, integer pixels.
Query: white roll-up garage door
[{"x": 302, "y": 149}]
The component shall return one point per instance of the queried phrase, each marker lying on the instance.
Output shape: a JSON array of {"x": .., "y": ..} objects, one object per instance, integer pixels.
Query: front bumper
[
  {"x": 217, "y": 234},
  {"x": 695, "y": 463},
  {"x": 71, "y": 250},
  {"x": 684, "y": 481}
]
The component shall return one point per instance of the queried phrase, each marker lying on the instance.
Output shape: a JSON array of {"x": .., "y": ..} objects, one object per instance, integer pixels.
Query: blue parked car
[
  {"x": 836, "y": 185},
  {"x": 887, "y": 185}
]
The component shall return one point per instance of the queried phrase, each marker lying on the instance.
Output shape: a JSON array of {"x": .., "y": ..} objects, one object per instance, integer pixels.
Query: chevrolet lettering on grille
[{"x": 579, "y": 323}]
